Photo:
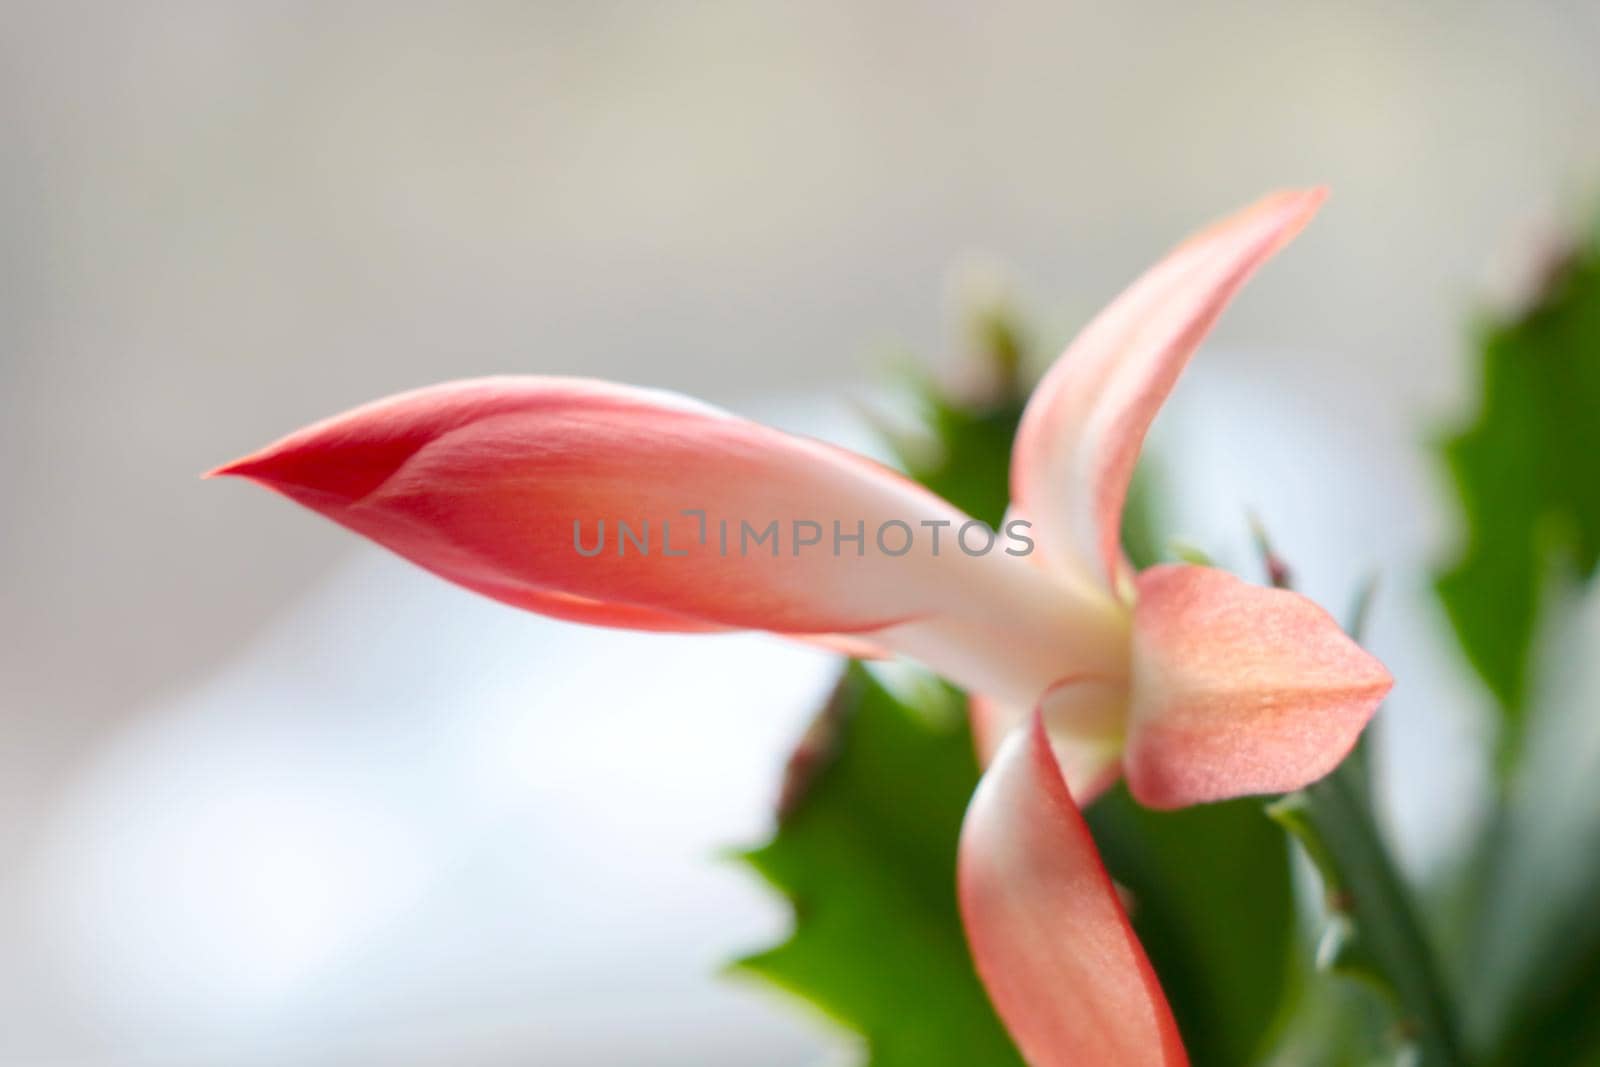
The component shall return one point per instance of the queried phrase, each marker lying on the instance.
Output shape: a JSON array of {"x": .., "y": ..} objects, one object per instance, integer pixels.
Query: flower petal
[
  {"x": 1239, "y": 689},
  {"x": 1082, "y": 431},
  {"x": 1085, "y": 720},
  {"x": 1048, "y": 933},
  {"x": 502, "y": 485}
]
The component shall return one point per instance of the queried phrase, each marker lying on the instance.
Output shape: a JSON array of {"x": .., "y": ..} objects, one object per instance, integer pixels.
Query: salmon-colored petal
[
  {"x": 1082, "y": 431},
  {"x": 1085, "y": 720},
  {"x": 1238, "y": 689},
  {"x": 632, "y": 507},
  {"x": 1052, "y": 943}
]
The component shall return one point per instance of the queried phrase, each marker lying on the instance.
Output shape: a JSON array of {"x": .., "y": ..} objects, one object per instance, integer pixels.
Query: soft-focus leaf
[
  {"x": 1536, "y": 989},
  {"x": 1528, "y": 473},
  {"x": 867, "y": 855},
  {"x": 1338, "y": 1023},
  {"x": 1373, "y": 932}
]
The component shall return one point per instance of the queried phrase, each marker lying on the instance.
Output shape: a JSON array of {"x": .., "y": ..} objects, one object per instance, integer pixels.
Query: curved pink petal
[
  {"x": 1238, "y": 689},
  {"x": 1085, "y": 720},
  {"x": 501, "y": 485},
  {"x": 1048, "y": 933},
  {"x": 1082, "y": 431}
]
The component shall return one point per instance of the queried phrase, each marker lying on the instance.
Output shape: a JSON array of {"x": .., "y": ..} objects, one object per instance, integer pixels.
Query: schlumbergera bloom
[{"x": 1195, "y": 685}]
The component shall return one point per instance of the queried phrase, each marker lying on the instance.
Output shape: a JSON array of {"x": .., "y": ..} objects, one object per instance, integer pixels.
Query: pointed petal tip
[
  {"x": 1083, "y": 428},
  {"x": 1304, "y": 198},
  {"x": 257, "y": 466},
  {"x": 1382, "y": 682},
  {"x": 1311, "y": 196},
  {"x": 238, "y": 468},
  {"x": 1241, "y": 690},
  {"x": 1291, "y": 211},
  {"x": 1276, "y": 219}
]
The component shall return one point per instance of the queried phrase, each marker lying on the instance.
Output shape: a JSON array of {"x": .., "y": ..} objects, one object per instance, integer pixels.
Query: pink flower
[{"x": 628, "y": 507}]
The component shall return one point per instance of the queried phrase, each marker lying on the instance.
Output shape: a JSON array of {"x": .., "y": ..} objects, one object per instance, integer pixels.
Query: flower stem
[{"x": 1374, "y": 932}]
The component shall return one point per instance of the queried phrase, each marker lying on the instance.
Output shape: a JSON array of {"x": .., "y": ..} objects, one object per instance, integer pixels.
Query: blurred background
[{"x": 268, "y": 796}]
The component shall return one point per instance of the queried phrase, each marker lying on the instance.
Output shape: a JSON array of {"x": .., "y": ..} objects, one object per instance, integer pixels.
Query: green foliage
[
  {"x": 1528, "y": 473},
  {"x": 1373, "y": 932},
  {"x": 1536, "y": 988},
  {"x": 1339, "y": 1023},
  {"x": 867, "y": 856},
  {"x": 1527, "y": 470}
]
